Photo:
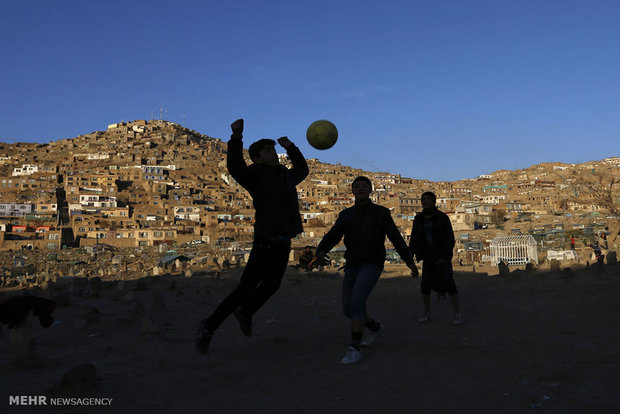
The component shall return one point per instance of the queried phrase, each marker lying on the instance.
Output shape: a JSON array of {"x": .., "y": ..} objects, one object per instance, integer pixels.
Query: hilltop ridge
[{"x": 143, "y": 183}]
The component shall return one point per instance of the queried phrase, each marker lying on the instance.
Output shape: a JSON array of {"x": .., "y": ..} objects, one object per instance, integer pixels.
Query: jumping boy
[
  {"x": 364, "y": 227},
  {"x": 273, "y": 191}
]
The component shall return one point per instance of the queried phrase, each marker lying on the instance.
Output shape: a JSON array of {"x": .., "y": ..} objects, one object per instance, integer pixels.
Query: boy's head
[
  {"x": 428, "y": 200},
  {"x": 263, "y": 151},
  {"x": 362, "y": 187}
]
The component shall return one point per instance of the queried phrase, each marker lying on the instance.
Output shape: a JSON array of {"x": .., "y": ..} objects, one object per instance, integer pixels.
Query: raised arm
[
  {"x": 300, "y": 166},
  {"x": 234, "y": 158}
]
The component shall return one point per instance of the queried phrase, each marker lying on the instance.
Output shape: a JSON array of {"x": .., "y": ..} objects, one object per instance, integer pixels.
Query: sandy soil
[{"x": 532, "y": 342}]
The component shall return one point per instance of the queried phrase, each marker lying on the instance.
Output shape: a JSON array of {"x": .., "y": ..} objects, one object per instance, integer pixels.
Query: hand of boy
[
  {"x": 414, "y": 270},
  {"x": 285, "y": 142},
  {"x": 321, "y": 258},
  {"x": 237, "y": 128}
]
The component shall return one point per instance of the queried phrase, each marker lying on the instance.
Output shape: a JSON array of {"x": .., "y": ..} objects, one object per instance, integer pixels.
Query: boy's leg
[
  {"x": 271, "y": 265},
  {"x": 366, "y": 279},
  {"x": 350, "y": 274},
  {"x": 425, "y": 287},
  {"x": 251, "y": 277},
  {"x": 448, "y": 274},
  {"x": 357, "y": 286}
]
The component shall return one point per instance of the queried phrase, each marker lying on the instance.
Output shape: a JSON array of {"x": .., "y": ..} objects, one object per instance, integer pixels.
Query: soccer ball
[{"x": 322, "y": 134}]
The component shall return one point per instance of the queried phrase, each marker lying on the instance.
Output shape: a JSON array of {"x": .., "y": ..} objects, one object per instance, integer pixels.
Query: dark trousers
[
  {"x": 261, "y": 278},
  {"x": 441, "y": 280}
]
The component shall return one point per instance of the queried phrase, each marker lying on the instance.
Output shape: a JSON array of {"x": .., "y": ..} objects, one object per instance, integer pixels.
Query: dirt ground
[{"x": 533, "y": 342}]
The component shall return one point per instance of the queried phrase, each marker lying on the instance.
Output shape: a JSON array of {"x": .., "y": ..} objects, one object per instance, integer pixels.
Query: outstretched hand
[
  {"x": 237, "y": 127},
  {"x": 414, "y": 270},
  {"x": 285, "y": 142},
  {"x": 321, "y": 258}
]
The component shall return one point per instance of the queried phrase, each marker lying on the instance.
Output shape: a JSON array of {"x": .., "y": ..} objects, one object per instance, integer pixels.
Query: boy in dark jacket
[
  {"x": 432, "y": 241},
  {"x": 273, "y": 191},
  {"x": 364, "y": 227}
]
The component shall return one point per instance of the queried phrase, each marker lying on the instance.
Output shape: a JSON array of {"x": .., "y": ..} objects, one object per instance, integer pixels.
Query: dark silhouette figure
[
  {"x": 432, "y": 242},
  {"x": 273, "y": 190},
  {"x": 306, "y": 260},
  {"x": 364, "y": 227}
]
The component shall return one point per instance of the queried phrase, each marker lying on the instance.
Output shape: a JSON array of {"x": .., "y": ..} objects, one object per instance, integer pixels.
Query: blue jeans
[{"x": 356, "y": 287}]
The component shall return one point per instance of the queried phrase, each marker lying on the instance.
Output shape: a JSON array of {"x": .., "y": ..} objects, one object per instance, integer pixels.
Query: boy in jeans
[{"x": 364, "y": 227}]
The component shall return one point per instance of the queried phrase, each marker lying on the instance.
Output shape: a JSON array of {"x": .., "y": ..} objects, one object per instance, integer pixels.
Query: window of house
[{"x": 53, "y": 236}]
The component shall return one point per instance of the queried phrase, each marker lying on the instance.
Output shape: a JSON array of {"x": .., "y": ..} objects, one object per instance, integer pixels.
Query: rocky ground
[{"x": 533, "y": 342}]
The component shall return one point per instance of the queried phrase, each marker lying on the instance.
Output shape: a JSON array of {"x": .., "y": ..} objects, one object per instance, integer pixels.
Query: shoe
[
  {"x": 245, "y": 322},
  {"x": 458, "y": 319},
  {"x": 371, "y": 337},
  {"x": 425, "y": 318},
  {"x": 203, "y": 339},
  {"x": 352, "y": 356}
]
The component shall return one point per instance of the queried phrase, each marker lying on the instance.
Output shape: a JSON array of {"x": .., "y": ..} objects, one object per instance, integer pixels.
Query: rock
[
  {"x": 554, "y": 265},
  {"x": 188, "y": 273}
]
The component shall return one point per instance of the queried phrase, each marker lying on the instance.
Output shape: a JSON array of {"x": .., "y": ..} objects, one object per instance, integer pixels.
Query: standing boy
[
  {"x": 364, "y": 227},
  {"x": 432, "y": 241},
  {"x": 273, "y": 191}
]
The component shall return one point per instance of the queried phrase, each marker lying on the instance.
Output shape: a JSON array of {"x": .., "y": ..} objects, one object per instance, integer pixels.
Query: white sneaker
[
  {"x": 458, "y": 319},
  {"x": 352, "y": 356},
  {"x": 371, "y": 336},
  {"x": 425, "y": 318}
]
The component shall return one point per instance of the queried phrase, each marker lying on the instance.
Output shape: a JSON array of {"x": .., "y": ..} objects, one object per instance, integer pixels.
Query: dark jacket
[
  {"x": 272, "y": 189},
  {"x": 442, "y": 234},
  {"x": 364, "y": 228}
]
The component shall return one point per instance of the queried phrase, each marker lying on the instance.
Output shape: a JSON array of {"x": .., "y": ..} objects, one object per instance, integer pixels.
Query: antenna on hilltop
[
  {"x": 161, "y": 109},
  {"x": 183, "y": 120}
]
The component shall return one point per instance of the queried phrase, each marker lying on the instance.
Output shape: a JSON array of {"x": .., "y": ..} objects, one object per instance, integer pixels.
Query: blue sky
[{"x": 430, "y": 89}]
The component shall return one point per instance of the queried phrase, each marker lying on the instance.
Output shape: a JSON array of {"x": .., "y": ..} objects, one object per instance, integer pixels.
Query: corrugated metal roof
[{"x": 514, "y": 240}]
